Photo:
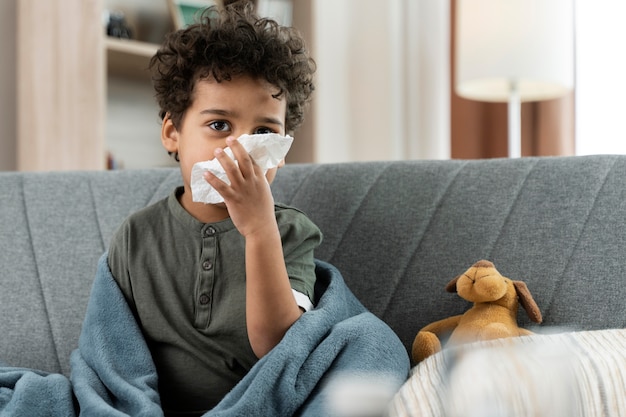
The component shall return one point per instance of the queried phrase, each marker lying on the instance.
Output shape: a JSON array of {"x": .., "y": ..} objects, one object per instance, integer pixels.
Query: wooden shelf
[{"x": 129, "y": 58}]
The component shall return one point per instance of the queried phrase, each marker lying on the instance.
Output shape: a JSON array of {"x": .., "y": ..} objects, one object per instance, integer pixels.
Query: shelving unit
[
  {"x": 128, "y": 58},
  {"x": 132, "y": 125}
]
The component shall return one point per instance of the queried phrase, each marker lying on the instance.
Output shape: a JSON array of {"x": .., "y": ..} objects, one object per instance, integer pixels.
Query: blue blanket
[{"x": 112, "y": 373}]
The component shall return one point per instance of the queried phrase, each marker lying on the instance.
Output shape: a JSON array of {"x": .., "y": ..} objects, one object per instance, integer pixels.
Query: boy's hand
[{"x": 248, "y": 198}]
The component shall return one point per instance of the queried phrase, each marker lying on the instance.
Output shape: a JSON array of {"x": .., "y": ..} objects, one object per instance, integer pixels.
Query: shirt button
[
  {"x": 207, "y": 265},
  {"x": 204, "y": 299},
  {"x": 209, "y": 231}
]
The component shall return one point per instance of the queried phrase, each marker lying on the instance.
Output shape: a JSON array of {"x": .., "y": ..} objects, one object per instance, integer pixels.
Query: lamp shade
[{"x": 525, "y": 43}]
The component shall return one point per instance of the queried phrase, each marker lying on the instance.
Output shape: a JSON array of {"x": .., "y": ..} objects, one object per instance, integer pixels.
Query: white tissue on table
[{"x": 267, "y": 150}]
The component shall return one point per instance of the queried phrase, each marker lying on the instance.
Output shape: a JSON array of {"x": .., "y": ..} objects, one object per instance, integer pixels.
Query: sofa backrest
[
  {"x": 398, "y": 231},
  {"x": 53, "y": 229}
]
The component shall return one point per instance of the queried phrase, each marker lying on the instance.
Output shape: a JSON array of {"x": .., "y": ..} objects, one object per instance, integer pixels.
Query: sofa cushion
[{"x": 566, "y": 374}]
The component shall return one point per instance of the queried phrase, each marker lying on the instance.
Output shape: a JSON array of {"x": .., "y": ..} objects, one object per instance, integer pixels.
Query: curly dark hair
[{"x": 230, "y": 41}]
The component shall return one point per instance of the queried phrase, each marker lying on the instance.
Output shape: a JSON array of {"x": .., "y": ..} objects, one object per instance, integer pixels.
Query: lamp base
[{"x": 515, "y": 122}]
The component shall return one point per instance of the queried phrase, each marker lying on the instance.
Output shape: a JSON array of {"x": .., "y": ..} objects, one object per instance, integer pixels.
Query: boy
[{"x": 215, "y": 287}]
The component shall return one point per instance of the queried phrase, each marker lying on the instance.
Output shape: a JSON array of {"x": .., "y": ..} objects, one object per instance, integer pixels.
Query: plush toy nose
[
  {"x": 482, "y": 283},
  {"x": 489, "y": 287}
]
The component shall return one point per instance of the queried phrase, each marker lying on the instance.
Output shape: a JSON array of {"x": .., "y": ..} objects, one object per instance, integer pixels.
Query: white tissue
[{"x": 267, "y": 150}]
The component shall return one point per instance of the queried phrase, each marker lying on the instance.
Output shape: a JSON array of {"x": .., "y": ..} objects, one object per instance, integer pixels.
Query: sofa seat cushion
[{"x": 573, "y": 373}]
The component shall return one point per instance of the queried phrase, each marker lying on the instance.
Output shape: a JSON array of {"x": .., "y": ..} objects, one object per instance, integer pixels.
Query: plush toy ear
[
  {"x": 527, "y": 301},
  {"x": 451, "y": 286}
]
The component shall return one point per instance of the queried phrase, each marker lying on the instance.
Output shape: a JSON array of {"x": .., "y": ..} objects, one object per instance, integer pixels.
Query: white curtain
[{"x": 383, "y": 80}]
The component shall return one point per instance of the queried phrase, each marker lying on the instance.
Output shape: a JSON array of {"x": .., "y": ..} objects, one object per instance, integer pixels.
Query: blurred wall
[{"x": 8, "y": 81}]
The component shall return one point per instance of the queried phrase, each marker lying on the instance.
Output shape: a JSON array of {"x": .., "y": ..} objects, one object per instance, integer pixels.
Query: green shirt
[{"x": 185, "y": 282}]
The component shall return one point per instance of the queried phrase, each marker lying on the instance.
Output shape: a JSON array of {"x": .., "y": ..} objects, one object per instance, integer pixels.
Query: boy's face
[{"x": 243, "y": 105}]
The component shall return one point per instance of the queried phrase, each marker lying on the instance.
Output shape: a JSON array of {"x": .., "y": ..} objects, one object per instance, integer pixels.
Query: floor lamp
[{"x": 514, "y": 51}]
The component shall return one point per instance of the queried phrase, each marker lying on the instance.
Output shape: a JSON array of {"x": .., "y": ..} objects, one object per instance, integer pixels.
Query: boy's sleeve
[{"x": 300, "y": 237}]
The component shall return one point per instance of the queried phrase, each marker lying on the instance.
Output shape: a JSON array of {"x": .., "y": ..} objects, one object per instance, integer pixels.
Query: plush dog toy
[{"x": 494, "y": 314}]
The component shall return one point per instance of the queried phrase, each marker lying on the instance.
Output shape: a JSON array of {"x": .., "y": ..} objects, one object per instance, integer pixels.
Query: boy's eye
[
  {"x": 219, "y": 125},
  {"x": 263, "y": 130}
]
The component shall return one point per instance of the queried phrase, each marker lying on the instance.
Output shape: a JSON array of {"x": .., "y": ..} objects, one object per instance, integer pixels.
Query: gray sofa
[{"x": 398, "y": 231}]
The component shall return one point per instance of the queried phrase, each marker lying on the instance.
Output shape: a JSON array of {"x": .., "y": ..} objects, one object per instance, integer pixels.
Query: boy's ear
[{"x": 169, "y": 135}]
